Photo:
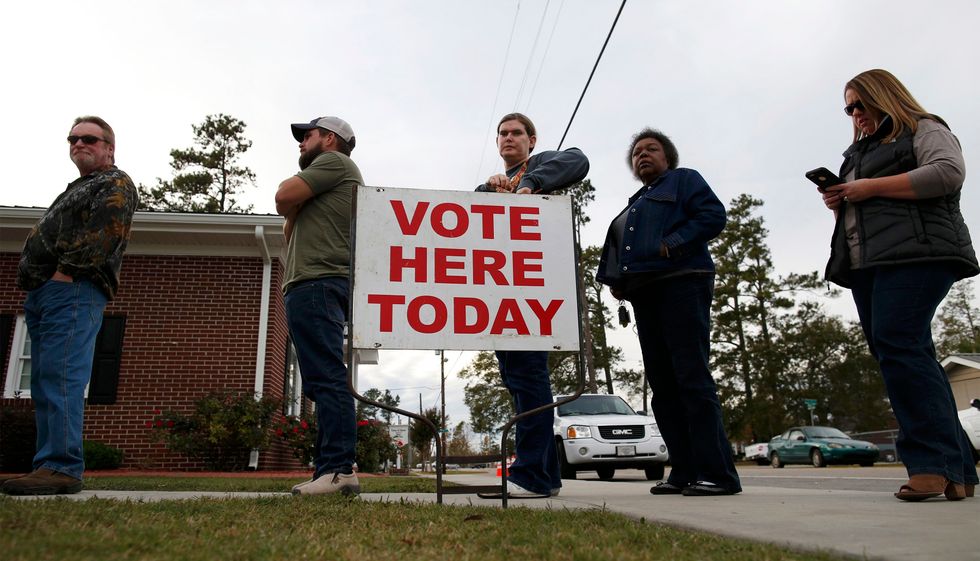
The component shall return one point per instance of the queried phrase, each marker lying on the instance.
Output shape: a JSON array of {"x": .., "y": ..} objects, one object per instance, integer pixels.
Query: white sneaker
[
  {"x": 343, "y": 483},
  {"x": 298, "y": 485},
  {"x": 516, "y": 491},
  {"x": 555, "y": 491}
]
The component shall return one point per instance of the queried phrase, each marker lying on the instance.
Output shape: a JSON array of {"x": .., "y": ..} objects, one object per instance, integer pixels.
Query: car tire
[
  {"x": 606, "y": 474},
  {"x": 816, "y": 458},
  {"x": 654, "y": 472},
  {"x": 890, "y": 458},
  {"x": 567, "y": 471},
  {"x": 775, "y": 462}
]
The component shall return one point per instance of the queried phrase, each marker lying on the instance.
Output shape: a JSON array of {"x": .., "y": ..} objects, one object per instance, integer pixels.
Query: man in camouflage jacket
[{"x": 70, "y": 270}]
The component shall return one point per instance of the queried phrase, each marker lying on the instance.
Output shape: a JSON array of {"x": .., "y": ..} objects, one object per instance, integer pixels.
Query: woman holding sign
[
  {"x": 535, "y": 473},
  {"x": 899, "y": 244},
  {"x": 656, "y": 256}
]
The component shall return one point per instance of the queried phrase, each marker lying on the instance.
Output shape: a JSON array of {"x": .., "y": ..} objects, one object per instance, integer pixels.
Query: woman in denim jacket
[{"x": 656, "y": 256}]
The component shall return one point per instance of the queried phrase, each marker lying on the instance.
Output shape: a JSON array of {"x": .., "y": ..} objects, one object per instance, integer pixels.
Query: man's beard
[{"x": 306, "y": 158}]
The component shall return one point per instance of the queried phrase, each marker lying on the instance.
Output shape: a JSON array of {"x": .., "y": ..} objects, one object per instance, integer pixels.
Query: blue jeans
[
  {"x": 316, "y": 312},
  {"x": 525, "y": 374},
  {"x": 673, "y": 324},
  {"x": 63, "y": 319},
  {"x": 896, "y": 304}
]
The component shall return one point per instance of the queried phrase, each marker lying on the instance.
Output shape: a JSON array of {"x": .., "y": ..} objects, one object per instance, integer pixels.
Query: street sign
[
  {"x": 811, "y": 404},
  {"x": 399, "y": 434}
]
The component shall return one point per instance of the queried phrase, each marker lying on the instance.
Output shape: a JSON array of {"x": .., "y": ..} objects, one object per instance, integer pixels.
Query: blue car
[{"x": 819, "y": 446}]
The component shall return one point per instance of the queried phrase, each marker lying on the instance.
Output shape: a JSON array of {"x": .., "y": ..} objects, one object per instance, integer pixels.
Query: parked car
[
  {"x": 970, "y": 419},
  {"x": 602, "y": 432},
  {"x": 758, "y": 453},
  {"x": 819, "y": 446}
]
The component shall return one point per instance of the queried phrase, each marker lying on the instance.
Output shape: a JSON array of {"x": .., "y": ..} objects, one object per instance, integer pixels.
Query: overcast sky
[{"x": 750, "y": 92}]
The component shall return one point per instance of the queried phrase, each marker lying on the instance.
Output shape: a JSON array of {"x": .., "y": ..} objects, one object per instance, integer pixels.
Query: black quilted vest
[{"x": 896, "y": 231}]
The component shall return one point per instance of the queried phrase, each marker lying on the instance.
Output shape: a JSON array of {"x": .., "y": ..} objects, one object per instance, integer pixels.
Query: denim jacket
[{"x": 678, "y": 210}]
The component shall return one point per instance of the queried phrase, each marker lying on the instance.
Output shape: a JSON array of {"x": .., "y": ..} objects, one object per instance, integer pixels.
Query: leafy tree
[
  {"x": 633, "y": 384},
  {"x": 207, "y": 177},
  {"x": 459, "y": 443},
  {"x": 422, "y": 434},
  {"x": 749, "y": 298},
  {"x": 583, "y": 193},
  {"x": 958, "y": 324},
  {"x": 825, "y": 359},
  {"x": 365, "y": 411},
  {"x": 600, "y": 316}
]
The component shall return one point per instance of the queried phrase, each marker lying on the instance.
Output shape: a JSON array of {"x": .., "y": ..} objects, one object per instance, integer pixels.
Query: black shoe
[
  {"x": 707, "y": 489},
  {"x": 666, "y": 488}
]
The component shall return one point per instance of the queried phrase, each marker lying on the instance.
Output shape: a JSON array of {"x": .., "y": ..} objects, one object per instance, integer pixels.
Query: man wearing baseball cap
[{"x": 316, "y": 203}]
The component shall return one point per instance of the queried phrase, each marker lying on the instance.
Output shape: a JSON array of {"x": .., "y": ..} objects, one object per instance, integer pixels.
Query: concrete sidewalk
[{"x": 861, "y": 523}]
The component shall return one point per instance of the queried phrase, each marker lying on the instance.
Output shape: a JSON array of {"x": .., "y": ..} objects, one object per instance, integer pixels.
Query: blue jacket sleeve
[
  {"x": 705, "y": 217},
  {"x": 550, "y": 171}
]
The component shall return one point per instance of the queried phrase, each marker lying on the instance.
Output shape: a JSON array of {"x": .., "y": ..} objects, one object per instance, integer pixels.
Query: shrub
[
  {"x": 299, "y": 434},
  {"x": 374, "y": 446},
  {"x": 18, "y": 437},
  {"x": 221, "y": 431},
  {"x": 101, "y": 456}
]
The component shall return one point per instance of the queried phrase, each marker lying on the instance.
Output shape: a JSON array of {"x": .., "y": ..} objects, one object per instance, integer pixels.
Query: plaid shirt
[{"x": 83, "y": 233}]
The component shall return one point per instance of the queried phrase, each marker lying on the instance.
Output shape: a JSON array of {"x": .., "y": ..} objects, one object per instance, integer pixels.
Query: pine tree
[{"x": 207, "y": 177}]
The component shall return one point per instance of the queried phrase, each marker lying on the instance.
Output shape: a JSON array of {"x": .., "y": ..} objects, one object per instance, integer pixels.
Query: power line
[
  {"x": 596, "y": 65},
  {"x": 496, "y": 96},
  {"x": 530, "y": 58},
  {"x": 544, "y": 57}
]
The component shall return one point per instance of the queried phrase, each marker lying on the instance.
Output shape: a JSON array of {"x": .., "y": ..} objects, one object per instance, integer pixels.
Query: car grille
[{"x": 622, "y": 432}]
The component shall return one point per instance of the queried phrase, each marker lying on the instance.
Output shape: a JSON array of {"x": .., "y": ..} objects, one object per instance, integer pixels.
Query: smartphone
[{"x": 823, "y": 178}]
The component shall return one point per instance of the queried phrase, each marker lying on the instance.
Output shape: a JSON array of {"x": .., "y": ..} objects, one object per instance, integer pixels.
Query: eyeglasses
[
  {"x": 849, "y": 109},
  {"x": 85, "y": 138}
]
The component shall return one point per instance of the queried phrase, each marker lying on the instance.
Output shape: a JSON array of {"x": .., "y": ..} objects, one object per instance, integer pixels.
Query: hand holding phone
[{"x": 823, "y": 178}]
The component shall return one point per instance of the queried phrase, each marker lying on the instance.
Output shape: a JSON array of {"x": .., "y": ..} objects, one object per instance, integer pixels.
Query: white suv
[
  {"x": 970, "y": 419},
  {"x": 602, "y": 432}
]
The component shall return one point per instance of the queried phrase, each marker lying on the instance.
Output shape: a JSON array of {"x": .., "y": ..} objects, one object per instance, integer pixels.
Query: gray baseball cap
[{"x": 335, "y": 125}]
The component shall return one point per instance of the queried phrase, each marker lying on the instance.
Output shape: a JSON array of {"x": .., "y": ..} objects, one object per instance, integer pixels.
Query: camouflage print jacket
[{"x": 83, "y": 233}]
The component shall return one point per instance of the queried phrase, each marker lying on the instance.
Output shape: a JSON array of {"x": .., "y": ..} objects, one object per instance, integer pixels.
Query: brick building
[{"x": 199, "y": 309}]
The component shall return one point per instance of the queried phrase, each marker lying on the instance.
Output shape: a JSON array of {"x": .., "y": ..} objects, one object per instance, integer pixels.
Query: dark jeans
[
  {"x": 316, "y": 312},
  {"x": 525, "y": 374},
  {"x": 672, "y": 321},
  {"x": 63, "y": 319},
  {"x": 896, "y": 304}
]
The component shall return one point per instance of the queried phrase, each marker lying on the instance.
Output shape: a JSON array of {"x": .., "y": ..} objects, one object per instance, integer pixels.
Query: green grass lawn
[
  {"x": 407, "y": 484},
  {"x": 328, "y": 528}
]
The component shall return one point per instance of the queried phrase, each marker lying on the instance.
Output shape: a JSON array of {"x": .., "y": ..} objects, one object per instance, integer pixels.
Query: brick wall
[{"x": 191, "y": 328}]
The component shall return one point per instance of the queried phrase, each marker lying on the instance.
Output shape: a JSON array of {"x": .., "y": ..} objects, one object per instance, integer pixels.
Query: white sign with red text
[{"x": 461, "y": 270}]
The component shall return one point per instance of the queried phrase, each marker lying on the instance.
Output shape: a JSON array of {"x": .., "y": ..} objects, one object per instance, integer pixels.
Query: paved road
[{"x": 881, "y": 478}]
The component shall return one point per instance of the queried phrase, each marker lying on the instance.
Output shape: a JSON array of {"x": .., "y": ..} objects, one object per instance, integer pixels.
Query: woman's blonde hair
[{"x": 880, "y": 90}]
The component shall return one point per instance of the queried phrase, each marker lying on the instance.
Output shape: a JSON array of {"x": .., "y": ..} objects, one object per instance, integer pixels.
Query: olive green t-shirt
[{"x": 320, "y": 242}]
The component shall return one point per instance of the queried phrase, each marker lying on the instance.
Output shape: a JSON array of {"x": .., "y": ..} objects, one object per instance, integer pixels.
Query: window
[
  {"x": 292, "y": 389},
  {"x": 101, "y": 389},
  {"x": 19, "y": 367}
]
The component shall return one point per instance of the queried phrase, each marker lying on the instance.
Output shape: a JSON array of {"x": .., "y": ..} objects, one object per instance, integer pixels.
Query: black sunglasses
[
  {"x": 849, "y": 109},
  {"x": 85, "y": 138}
]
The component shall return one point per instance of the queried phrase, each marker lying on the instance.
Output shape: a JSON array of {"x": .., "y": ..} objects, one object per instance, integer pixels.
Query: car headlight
[
  {"x": 652, "y": 430},
  {"x": 578, "y": 431},
  {"x": 833, "y": 445}
]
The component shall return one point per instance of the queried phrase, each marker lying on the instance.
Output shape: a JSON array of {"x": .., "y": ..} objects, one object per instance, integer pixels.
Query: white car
[
  {"x": 758, "y": 453},
  {"x": 602, "y": 432},
  {"x": 970, "y": 419}
]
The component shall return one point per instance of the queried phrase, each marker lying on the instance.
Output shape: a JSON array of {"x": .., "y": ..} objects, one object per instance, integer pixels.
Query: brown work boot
[
  {"x": 5, "y": 477},
  {"x": 42, "y": 481}
]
